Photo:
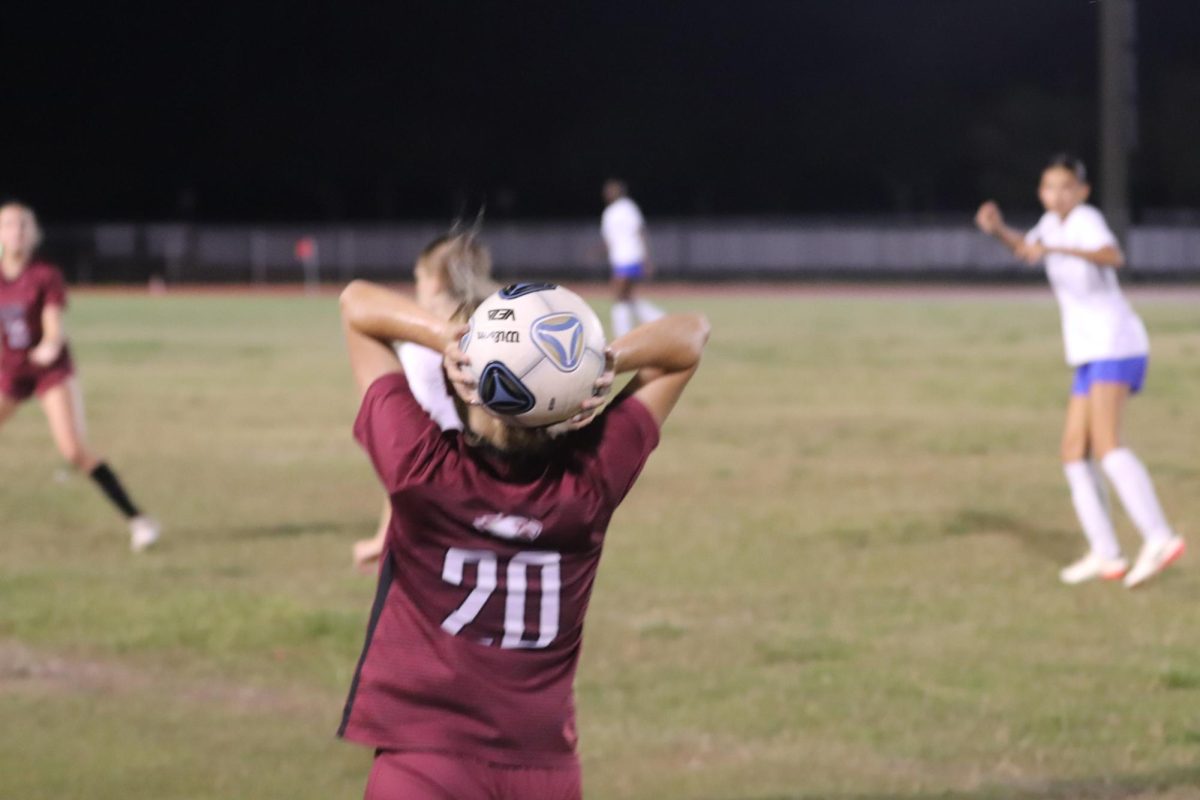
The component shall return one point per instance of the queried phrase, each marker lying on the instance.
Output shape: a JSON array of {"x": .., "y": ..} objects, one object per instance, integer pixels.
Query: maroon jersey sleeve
[
  {"x": 54, "y": 289},
  {"x": 403, "y": 442},
  {"x": 627, "y": 436}
]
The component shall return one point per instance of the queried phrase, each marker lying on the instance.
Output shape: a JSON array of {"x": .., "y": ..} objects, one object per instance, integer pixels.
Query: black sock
[{"x": 108, "y": 482}]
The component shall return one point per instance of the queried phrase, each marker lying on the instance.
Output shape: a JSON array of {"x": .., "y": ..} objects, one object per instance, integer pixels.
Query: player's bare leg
[
  {"x": 368, "y": 551},
  {"x": 1103, "y": 559},
  {"x": 622, "y": 310},
  {"x": 8, "y": 407},
  {"x": 643, "y": 308},
  {"x": 1077, "y": 445},
  {"x": 64, "y": 411},
  {"x": 1129, "y": 477},
  {"x": 1106, "y": 409},
  {"x": 647, "y": 311},
  {"x": 1074, "y": 445},
  {"x": 63, "y": 406}
]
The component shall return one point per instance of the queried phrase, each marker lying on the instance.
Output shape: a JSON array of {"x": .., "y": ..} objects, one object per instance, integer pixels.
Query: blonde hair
[
  {"x": 516, "y": 444},
  {"x": 463, "y": 266}
]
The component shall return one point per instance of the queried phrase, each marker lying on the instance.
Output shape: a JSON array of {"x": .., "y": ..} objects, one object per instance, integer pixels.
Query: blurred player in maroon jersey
[
  {"x": 37, "y": 361},
  {"x": 465, "y": 684}
]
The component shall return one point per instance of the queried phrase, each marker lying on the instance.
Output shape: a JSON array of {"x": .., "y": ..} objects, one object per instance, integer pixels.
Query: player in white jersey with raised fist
[
  {"x": 1107, "y": 346},
  {"x": 624, "y": 232}
]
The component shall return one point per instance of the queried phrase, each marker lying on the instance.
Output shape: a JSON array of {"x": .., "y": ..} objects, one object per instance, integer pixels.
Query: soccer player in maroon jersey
[
  {"x": 36, "y": 360},
  {"x": 465, "y": 684}
]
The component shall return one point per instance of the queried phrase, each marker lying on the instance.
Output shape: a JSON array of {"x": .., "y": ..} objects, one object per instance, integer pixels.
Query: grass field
[{"x": 836, "y": 578}]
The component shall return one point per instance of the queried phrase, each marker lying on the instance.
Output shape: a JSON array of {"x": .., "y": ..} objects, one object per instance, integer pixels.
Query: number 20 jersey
[{"x": 475, "y": 633}]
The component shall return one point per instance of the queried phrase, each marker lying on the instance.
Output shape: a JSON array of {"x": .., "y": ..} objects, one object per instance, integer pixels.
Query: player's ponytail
[
  {"x": 463, "y": 263},
  {"x": 468, "y": 268}
]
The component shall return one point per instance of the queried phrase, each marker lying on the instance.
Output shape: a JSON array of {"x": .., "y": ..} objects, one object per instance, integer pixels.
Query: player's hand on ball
[
  {"x": 600, "y": 391},
  {"x": 604, "y": 383},
  {"x": 989, "y": 219},
  {"x": 455, "y": 362}
]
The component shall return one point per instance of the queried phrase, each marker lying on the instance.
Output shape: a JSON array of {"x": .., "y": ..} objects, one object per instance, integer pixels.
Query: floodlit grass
[{"x": 836, "y": 578}]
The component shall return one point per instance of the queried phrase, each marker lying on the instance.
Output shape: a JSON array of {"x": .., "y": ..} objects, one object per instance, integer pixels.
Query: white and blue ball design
[{"x": 536, "y": 350}]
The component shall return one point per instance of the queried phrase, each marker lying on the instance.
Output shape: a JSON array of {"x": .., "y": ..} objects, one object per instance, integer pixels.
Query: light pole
[{"x": 1118, "y": 107}]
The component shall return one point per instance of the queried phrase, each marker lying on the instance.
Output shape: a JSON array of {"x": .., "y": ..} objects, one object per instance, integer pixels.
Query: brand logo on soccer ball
[
  {"x": 505, "y": 526},
  {"x": 560, "y": 338},
  {"x": 500, "y": 336},
  {"x": 501, "y": 314}
]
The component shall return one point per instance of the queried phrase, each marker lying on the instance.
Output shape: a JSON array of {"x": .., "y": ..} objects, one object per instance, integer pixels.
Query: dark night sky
[{"x": 290, "y": 110}]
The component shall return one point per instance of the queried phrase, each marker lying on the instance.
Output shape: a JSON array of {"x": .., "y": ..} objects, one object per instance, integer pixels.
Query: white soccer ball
[{"x": 536, "y": 350}]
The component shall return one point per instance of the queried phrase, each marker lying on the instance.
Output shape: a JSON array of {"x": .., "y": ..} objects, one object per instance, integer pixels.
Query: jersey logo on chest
[{"x": 506, "y": 526}]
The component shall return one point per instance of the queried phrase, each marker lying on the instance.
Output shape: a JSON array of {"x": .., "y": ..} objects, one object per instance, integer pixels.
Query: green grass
[{"x": 836, "y": 578}]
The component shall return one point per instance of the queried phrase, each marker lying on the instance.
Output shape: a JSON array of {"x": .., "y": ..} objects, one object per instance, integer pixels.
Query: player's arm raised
[
  {"x": 664, "y": 354},
  {"x": 989, "y": 220},
  {"x": 373, "y": 317}
]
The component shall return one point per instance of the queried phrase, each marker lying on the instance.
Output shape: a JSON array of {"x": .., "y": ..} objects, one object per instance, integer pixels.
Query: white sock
[
  {"x": 622, "y": 318},
  {"x": 1136, "y": 491},
  {"x": 1089, "y": 507},
  {"x": 1101, "y": 486},
  {"x": 647, "y": 311}
]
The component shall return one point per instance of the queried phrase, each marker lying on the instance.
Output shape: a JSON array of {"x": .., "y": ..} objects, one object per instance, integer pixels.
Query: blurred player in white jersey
[
  {"x": 624, "y": 232},
  {"x": 1107, "y": 346},
  {"x": 453, "y": 275}
]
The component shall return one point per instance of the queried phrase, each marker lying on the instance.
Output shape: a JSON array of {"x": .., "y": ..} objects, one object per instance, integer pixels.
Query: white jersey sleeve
[
  {"x": 636, "y": 220},
  {"x": 1091, "y": 230},
  {"x": 1035, "y": 233},
  {"x": 428, "y": 384}
]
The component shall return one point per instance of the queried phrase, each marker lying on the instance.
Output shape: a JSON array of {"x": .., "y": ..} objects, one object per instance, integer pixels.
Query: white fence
[{"x": 681, "y": 249}]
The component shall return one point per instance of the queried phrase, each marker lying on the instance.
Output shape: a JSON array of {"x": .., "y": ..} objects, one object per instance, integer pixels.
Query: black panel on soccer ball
[
  {"x": 515, "y": 290},
  {"x": 502, "y": 391}
]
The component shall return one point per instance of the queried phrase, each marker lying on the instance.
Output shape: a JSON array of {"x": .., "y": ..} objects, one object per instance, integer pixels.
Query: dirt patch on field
[
  {"x": 21, "y": 666},
  {"x": 24, "y": 669}
]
